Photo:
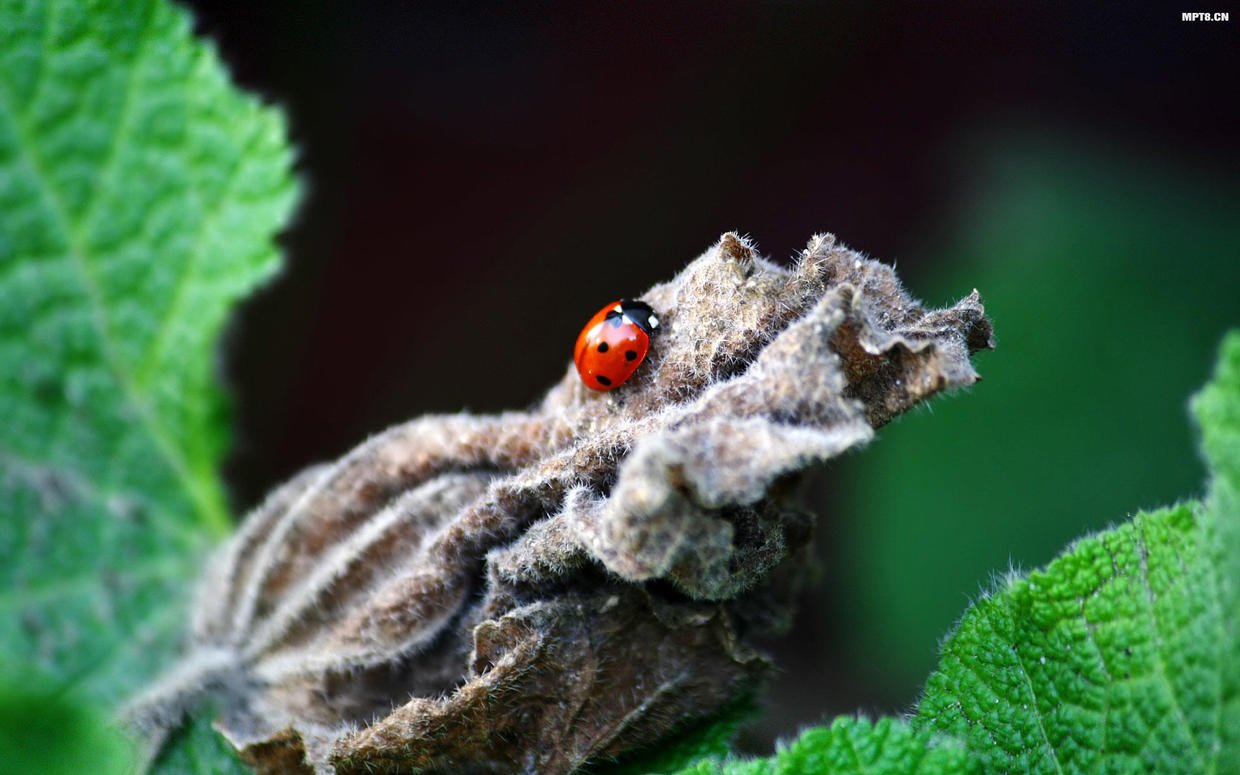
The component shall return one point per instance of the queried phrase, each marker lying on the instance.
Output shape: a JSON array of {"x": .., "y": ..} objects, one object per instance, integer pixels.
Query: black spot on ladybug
[
  {"x": 629, "y": 355},
  {"x": 603, "y": 347},
  {"x": 603, "y": 381}
]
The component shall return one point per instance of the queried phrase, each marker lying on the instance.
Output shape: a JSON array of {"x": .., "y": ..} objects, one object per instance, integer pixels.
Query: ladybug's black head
[{"x": 641, "y": 314}]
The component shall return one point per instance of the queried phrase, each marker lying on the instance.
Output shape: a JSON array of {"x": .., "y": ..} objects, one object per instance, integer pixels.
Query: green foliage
[
  {"x": 1112, "y": 658},
  {"x": 138, "y": 196},
  {"x": 852, "y": 745},
  {"x": 1122, "y": 656},
  {"x": 701, "y": 740},
  {"x": 197, "y": 749},
  {"x": 139, "y": 193},
  {"x": 34, "y": 726},
  {"x": 1218, "y": 413},
  {"x": 1110, "y": 282}
]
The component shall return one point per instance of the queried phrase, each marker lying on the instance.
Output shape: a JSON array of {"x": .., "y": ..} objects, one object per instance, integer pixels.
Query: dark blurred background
[{"x": 484, "y": 175}]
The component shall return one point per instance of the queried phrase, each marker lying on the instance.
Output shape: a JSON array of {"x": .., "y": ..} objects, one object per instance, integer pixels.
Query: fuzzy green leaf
[
  {"x": 1218, "y": 412},
  {"x": 1104, "y": 325},
  {"x": 1110, "y": 658},
  {"x": 1120, "y": 656},
  {"x": 852, "y": 746},
  {"x": 139, "y": 193}
]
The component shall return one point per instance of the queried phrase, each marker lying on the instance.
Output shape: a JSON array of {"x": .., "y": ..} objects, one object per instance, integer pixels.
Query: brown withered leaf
[{"x": 529, "y": 591}]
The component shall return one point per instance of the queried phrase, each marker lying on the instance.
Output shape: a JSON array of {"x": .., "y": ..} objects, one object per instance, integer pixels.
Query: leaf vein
[
  {"x": 210, "y": 512},
  {"x": 1143, "y": 556},
  {"x": 155, "y": 352},
  {"x": 1037, "y": 710}
]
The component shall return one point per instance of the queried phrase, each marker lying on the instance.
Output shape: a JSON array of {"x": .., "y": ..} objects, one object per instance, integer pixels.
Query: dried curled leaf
[{"x": 529, "y": 591}]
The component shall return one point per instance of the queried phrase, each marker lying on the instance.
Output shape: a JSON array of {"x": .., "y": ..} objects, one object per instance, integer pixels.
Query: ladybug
[{"x": 614, "y": 343}]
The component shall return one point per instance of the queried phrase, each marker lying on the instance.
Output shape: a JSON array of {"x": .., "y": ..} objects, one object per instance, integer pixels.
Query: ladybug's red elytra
[{"x": 614, "y": 343}]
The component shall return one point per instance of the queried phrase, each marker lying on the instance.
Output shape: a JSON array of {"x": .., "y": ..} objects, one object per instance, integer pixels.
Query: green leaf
[
  {"x": 701, "y": 740},
  {"x": 139, "y": 193},
  {"x": 1110, "y": 658},
  {"x": 197, "y": 749},
  {"x": 1218, "y": 411},
  {"x": 1122, "y": 655},
  {"x": 852, "y": 746},
  {"x": 34, "y": 727},
  {"x": 1110, "y": 280},
  {"x": 1217, "y": 408}
]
